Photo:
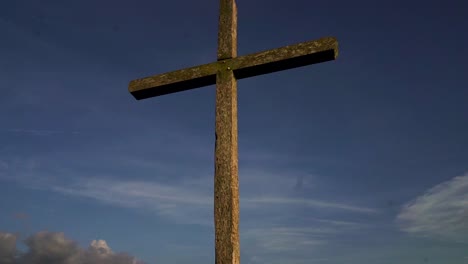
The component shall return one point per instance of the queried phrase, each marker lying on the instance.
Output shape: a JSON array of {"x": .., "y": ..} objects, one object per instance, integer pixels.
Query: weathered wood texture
[
  {"x": 226, "y": 187},
  {"x": 285, "y": 58},
  {"x": 226, "y": 182},
  {"x": 269, "y": 61},
  {"x": 227, "y": 31},
  {"x": 175, "y": 81}
]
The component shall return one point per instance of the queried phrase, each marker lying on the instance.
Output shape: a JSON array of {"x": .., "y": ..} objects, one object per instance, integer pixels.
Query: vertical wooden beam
[
  {"x": 226, "y": 183},
  {"x": 227, "y": 31}
]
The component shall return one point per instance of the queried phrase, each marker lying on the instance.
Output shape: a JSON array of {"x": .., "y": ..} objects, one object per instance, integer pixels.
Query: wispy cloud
[
  {"x": 289, "y": 260},
  {"x": 441, "y": 211},
  {"x": 255, "y": 202},
  {"x": 279, "y": 239},
  {"x": 184, "y": 198},
  {"x": 296, "y": 244},
  {"x": 37, "y": 132},
  {"x": 181, "y": 204},
  {"x": 276, "y": 238},
  {"x": 338, "y": 223}
]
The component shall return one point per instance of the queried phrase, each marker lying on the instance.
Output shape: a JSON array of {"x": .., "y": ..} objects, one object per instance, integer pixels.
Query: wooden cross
[{"x": 224, "y": 73}]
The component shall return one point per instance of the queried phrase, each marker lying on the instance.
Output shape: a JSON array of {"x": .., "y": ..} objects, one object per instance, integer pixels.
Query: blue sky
[{"x": 359, "y": 160}]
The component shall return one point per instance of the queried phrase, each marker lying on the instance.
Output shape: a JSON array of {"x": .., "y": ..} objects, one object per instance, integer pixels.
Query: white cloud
[
  {"x": 441, "y": 211},
  {"x": 101, "y": 247}
]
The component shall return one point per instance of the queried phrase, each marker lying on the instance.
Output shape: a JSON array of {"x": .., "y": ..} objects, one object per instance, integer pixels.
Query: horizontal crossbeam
[{"x": 284, "y": 58}]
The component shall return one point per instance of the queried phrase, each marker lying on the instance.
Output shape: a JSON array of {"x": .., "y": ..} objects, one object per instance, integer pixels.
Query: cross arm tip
[
  {"x": 335, "y": 46},
  {"x": 330, "y": 43},
  {"x": 134, "y": 91}
]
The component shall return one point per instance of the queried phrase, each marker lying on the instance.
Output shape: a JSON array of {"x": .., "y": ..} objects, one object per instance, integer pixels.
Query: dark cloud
[
  {"x": 7, "y": 248},
  {"x": 54, "y": 248}
]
